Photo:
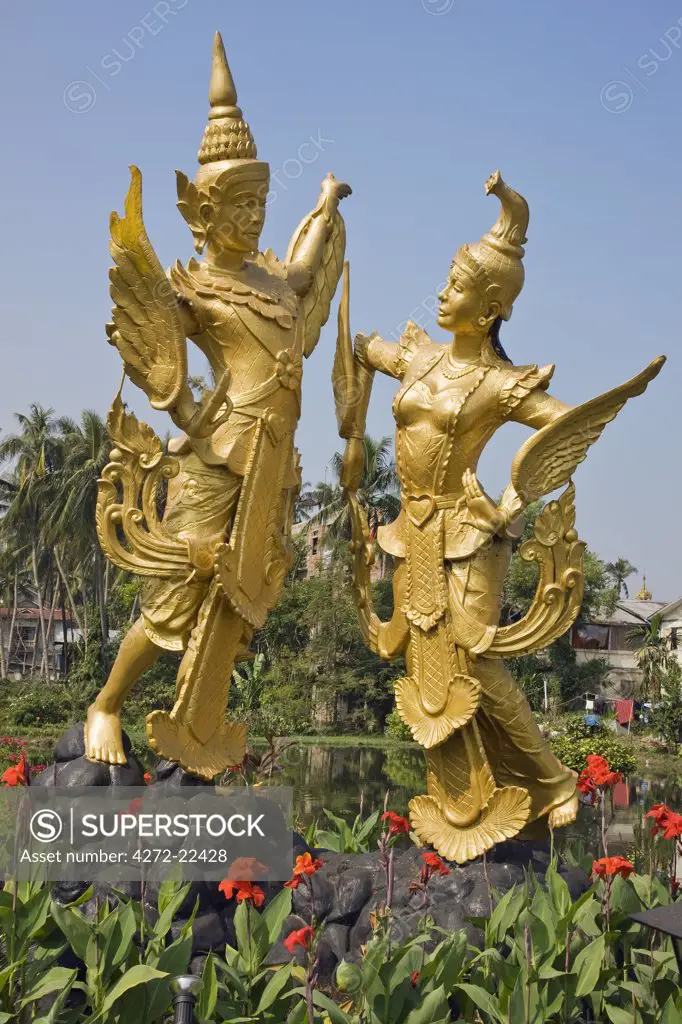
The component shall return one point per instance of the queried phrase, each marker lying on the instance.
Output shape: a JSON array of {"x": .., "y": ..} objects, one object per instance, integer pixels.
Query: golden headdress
[
  {"x": 496, "y": 261},
  {"x": 227, "y": 154},
  {"x": 228, "y": 141}
]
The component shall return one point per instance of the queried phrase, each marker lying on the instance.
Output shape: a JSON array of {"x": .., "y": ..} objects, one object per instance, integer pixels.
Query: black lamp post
[
  {"x": 668, "y": 921},
  {"x": 185, "y": 989}
]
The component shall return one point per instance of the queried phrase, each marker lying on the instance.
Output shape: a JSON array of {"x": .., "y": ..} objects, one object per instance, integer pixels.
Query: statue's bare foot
[
  {"x": 103, "y": 737},
  {"x": 565, "y": 813}
]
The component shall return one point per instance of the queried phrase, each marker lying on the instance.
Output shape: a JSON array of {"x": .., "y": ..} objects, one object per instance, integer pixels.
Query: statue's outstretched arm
[
  {"x": 548, "y": 459},
  {"x": 376, "y": 354},
  {"x": 315, "y": 258},
  {"x": 537, "y": 410},
  {"x": 306, "y": 247}
]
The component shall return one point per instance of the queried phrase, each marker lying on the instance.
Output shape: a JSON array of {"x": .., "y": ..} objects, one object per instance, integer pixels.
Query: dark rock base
[{"x": 345, "y": 890}]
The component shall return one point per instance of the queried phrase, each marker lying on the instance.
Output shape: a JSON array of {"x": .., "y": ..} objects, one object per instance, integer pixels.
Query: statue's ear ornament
[{"x": 189, "y": 204}]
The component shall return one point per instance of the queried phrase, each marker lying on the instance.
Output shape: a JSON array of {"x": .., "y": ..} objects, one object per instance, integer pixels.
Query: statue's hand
[
  {"x": 335, "y": 190},
  {"x": 353, "y": 464},
  {"x": 483, "y": 513},
  {"x": 361, "y": 344},
  {"x": 213, "y": 409}
]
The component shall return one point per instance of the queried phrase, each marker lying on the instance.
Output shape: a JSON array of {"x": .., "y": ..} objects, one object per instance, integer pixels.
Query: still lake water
[{"x": 338, "y": 777}]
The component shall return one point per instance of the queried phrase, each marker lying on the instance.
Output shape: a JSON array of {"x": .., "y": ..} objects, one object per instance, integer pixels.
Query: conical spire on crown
[
  {"x": 508, "y": 234},
  {"x": 495, "y": 261},
  {"x": 227, "y": 135}
]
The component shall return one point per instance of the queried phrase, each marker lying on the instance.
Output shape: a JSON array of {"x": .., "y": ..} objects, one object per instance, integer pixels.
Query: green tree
[
  {"x": 377, "y": 494},
  {"x": 71, "y": 516},
  {"x": 34, "y": 454},
  {"x": 617, "y": 572},
  {"x": 666, "y": 717},
  {"x": 653, "y": 655}
]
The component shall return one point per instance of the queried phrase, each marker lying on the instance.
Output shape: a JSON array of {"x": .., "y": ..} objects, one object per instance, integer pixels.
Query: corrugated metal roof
[{"x": 631, "y": 613}]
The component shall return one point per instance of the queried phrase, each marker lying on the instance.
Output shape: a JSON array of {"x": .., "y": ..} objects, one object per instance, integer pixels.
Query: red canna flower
[
  {"x": 665, "y": 821},
  {"x": 414, "y": 978},
  {"x": 674, "y": 886},
  {"x": 673, "y": 826},
  {"x": 244, "y": 891},
  {"x": 147, "y": 778},
  {"x": 659, "y": 812},
  {"x": 302, "y": 937},
  {"x": 305, "y": 865},
  {"x": 432, "y": 865},
  {"x": 397, "y": 824},
  {"x": 600, "y": 772},
  {"x": 609, "y": 867},
  {"x": 16, "y": 774},
  {"x": 586, "y": 786}
]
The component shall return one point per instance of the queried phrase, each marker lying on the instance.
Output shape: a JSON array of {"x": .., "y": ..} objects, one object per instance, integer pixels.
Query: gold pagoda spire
[{"x": 643, "y": 594}]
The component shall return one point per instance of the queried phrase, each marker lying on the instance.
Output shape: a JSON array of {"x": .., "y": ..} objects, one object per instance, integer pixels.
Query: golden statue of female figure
[
  {"x": 214, "y": 562},
  {"x": 489, "y": 769}
]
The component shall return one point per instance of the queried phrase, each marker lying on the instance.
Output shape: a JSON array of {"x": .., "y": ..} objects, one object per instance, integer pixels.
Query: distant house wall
[
  {"x": 671, "y": 626},
  {"x": 317, "y": 556},
  {"x": 24, "y": 654},
  {"x": 609, "y": 638}
]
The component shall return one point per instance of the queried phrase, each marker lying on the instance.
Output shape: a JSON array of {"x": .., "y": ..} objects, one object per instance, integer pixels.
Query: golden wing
[
  {"x": 316, "y": 302},
  {"x": 147, "y": 329},
  {"x": 548, "y": 459}
]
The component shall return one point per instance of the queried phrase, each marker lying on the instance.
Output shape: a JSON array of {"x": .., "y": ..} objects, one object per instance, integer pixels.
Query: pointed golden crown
[
  {"x": 227, "y": 135},
  {"x": 496, "y": 261}
]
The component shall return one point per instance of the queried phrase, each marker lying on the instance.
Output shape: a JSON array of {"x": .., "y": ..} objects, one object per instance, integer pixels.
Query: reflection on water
[{"x": 323, "y": 775}]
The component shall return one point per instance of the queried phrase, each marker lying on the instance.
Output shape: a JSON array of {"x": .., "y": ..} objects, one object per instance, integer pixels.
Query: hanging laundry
[{"x": 625, "y": 711}]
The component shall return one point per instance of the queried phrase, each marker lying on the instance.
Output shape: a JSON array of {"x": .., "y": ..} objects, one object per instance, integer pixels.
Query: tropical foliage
[
  {"x": 544, "y": 958},
  {"x": 313, "y": 669},
  {"x": 49, "y": 549},
  {"x": 653, "y": 655}
]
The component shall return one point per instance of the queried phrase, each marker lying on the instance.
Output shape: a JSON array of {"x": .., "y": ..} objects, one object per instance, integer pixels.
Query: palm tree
[
  {"x": 35, "y": 454},
  {"x": 653, "y": 655},
  {"x": 85, "y": 447},
  {"x": 377, "y": 493},
  {"x": 618, "y": 572}
]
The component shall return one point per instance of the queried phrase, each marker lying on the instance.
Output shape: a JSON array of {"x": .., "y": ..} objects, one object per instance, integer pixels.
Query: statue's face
[
  {"x": 237, "y": 214},
  {"x": 461, "y": 304}
]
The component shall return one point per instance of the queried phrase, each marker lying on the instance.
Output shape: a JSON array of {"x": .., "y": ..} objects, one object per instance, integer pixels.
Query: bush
[
  {"x": 576, "y": 728},
  {"x": 573, "y": 753},
  {"x": 38, "y": 704},
  {"x": 396, "y": 728},
  {"x": 155, "y": 690},
  {"x": 666, "y": 717}
]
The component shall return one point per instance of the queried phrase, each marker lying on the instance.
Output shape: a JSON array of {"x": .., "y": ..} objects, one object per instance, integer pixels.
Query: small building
[
  {"x": 607, "y": 637},
  {"x": 24, "y": 652},
  {"x": 317, "y": 555},
  {"x": 671, "y": 626}
]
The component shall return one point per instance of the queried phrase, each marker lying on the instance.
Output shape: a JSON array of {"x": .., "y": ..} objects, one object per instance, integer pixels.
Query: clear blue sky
[{"x": 414, "y": 103}]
